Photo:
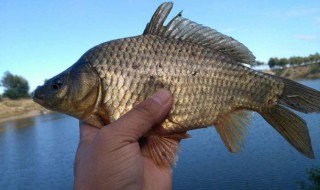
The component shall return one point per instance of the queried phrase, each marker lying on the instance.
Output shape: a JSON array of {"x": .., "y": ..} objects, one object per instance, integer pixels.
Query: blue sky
[{"x": 39, "y": 39}]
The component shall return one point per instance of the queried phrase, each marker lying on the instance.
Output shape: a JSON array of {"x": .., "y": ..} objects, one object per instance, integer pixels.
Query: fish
[{"x": 205, "y": 72}]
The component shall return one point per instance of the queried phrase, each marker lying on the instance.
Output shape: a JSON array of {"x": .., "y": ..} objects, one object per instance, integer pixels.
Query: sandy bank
[
  {"x": 311, "y": 71},
  {"x": 15, "y": 109}
]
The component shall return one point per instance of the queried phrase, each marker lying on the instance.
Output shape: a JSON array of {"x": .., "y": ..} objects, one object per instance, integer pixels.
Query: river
[{"x": 38, "y": 153}]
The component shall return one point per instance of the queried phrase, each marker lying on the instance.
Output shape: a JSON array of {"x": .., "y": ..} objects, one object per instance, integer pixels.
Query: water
[{"x": 38, "y": 153}]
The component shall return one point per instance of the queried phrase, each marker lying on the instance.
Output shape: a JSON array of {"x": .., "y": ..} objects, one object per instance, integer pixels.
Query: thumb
[{"x": 142, "y": 117}]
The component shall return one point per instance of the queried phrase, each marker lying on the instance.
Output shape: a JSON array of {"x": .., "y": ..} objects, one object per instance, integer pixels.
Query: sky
[{"x": 39, "y": 39}]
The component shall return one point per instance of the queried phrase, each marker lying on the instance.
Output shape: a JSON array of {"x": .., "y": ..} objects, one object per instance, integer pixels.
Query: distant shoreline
[
  {"x": 26, "y": 115},
  {"x": 311, "y": 71},
  {"x": 22, "y": 108}
]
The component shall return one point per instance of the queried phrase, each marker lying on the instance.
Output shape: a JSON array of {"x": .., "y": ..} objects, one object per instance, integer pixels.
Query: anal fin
[
  {"x": 232, "y": 128},
  {"x": 163, "y": 148}
]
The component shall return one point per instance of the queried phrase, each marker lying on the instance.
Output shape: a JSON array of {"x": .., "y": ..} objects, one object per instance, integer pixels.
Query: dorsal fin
[
  {"x": 183, "y": 29},
  {"x": 156, "y": 23}
]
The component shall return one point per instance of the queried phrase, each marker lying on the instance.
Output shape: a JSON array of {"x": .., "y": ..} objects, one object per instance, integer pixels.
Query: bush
[
  {"x": 15, "y": 86},
  {"x": 314, "y": 177},
  {"x": 315, "y": 68}
]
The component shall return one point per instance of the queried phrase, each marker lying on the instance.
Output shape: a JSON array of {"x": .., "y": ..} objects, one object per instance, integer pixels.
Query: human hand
[{"x": 111, "y": 157}]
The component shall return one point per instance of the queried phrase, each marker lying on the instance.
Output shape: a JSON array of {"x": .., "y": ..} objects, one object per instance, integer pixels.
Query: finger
[
  {"x": 87, "y": 133},
  {"x": 142, "y": 117}
]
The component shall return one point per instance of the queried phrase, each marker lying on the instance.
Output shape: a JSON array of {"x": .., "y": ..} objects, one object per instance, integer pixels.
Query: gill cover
[{"x": 74, "y": 91}]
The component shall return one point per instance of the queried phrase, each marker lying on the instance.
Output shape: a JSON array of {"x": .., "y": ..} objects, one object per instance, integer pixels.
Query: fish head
[{"x": 74, "y": 92}]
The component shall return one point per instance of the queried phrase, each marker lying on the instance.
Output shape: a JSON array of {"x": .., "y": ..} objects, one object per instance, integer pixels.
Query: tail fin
[
  {"x": 291, "y": 127},
  {"x": 300, "y": 97}
]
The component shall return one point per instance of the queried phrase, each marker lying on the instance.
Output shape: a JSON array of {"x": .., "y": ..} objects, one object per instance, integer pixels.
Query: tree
[
  {"x": 283, "y": 62},
  {"x": 15, "y": 86},
  {"x": 273, "y": 62},
  {"x": 314, "y": 57}
]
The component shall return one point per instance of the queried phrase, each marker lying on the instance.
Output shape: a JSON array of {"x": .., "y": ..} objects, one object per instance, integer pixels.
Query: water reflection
[
  {"x": 17, "y": 124},
  {"x": 37, "y": 153}
]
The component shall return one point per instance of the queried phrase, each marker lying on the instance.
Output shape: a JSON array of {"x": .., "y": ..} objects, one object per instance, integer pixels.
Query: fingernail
[{"x": 162, "y": 96}]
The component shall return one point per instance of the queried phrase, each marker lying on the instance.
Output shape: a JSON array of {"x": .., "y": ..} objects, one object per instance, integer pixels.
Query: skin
[{"x": 111, "y": 157}]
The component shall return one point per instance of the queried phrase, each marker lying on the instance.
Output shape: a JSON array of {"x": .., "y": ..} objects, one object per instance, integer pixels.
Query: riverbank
[
  {"x": 15, "y": 109},
  {"x": 311, "y": 71}
]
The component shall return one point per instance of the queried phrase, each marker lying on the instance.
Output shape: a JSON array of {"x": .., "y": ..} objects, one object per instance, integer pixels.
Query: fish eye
[{"x": 56, "y": 84}]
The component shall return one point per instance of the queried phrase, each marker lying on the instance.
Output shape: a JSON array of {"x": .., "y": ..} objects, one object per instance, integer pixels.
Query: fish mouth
[
  {"x": 37, "y": 97},
  {"x": 38, "y": 100}
]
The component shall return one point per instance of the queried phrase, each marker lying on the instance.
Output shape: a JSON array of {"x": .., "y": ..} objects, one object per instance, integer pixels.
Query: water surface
[{"x": 38, "y": 153}]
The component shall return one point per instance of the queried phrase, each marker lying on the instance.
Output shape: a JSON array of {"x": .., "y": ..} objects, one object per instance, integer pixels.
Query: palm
[
  {"x": 153, "y": 175},
  {"x": 122, "y": 161},
  {"x": 111, "y": 157}
]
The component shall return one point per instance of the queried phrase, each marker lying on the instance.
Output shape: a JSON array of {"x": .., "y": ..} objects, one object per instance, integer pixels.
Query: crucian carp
[{"x": 204, "y": 71}]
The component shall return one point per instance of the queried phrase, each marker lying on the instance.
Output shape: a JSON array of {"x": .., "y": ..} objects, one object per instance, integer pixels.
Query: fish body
[
  {"x": 205, "y": 83},
  {"x": 203, "y": 70}
]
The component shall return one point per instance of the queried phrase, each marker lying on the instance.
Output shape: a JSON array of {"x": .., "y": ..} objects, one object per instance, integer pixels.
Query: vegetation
[
  {"x": 15, "y": 86},
  {"x": 315, "y": 68},
  {"x": 275, "y": 62},
  {"x": 314, "y": 177}
]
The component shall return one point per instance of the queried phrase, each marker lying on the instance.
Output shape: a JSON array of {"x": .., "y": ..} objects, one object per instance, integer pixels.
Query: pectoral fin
[{"x": 163, "y": 149}]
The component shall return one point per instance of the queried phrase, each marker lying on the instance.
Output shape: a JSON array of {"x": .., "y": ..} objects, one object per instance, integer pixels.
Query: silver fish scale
[{"x": 205, "y": 83}]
